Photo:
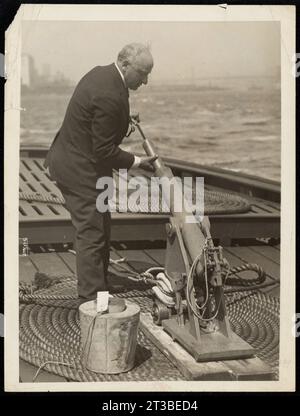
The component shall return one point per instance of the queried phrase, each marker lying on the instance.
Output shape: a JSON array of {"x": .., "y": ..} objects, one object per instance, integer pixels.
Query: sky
[{"x": 181, "y": 50}]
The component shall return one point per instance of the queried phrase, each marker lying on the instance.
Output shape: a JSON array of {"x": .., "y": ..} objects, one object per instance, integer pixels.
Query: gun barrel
[
  {"x": 160, "y": 169},
  {"x": 192, "y": 235}
]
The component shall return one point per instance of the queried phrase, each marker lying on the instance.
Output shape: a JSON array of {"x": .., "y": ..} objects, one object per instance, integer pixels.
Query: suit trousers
[{"x": 92, "y": 242}]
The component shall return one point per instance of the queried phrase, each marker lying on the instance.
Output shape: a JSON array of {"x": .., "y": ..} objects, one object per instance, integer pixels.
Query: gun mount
[{"x": 189, "y": 301}]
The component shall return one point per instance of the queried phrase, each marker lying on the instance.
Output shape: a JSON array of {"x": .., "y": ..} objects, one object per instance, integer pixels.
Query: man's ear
[{"x": 125, "y": 64}]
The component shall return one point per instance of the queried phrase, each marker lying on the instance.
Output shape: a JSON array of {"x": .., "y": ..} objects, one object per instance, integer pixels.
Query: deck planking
[
  {"x": 69, "y": 259},
  {"x": 27, "y": 269},
  {"x": 133, "y": 256},
  {"x": 49, "y": 263},
  {"x": 250, "y": 255},
  {"x": 267, "y": 258},
  {"x": 65, "y": 263},
  {"x": 268, "y": 251},
  {"x": 158, "y": 255},
  {"x": 254, "y": 254}
]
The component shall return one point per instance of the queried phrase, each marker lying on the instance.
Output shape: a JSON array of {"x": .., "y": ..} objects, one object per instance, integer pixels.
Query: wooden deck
[
  {"x": 47, "y": 227},
  {"x": 64, "y": 263}
]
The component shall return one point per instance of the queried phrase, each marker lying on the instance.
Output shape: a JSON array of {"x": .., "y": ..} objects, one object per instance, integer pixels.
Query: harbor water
[{"x": 232, "y": 124}]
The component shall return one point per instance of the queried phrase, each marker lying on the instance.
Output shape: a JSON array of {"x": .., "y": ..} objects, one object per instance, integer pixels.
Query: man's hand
[
  {"x": 146, "y": 163},
  {"x": 136, "y": 117}
]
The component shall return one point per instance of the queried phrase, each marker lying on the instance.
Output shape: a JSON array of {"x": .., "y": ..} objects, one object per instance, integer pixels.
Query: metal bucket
[{"x": 109, "y": 340}]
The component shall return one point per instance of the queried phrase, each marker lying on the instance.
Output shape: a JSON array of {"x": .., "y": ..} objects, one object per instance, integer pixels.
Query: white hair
[{"x": 131, "y": 51}]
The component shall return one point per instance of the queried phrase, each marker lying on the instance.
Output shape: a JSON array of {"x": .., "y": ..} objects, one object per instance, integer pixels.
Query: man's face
[{"x": 136, "y": 73}]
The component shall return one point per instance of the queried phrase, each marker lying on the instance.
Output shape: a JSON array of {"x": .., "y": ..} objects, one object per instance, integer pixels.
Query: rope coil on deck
[
  {"x": 216, "y": 203},
  {"x": 50, "y": 333}
]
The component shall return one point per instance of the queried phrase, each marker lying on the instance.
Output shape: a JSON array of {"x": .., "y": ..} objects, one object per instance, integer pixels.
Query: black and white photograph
[{"x": 149, "y": 180}]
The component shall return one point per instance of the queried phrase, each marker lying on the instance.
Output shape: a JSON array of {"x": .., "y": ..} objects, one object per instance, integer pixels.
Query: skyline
[{"x": 236, "y": 49}]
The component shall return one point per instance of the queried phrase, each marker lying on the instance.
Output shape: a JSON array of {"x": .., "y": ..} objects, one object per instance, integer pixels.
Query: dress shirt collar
[{"x": 121, "y": 75}]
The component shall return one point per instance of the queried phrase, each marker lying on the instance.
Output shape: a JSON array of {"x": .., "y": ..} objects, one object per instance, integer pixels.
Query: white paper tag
[{"x": 102, "y": 301}]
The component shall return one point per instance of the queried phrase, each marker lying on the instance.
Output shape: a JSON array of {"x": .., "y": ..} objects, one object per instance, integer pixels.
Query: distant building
[{"x": 31, "y": 79}]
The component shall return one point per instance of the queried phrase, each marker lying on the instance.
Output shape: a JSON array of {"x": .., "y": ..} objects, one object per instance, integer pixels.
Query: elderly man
[{"x": 87, "y": 147}]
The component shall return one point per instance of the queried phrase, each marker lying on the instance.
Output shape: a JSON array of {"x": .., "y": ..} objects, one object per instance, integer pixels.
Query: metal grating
[{"x": 34, "y": 178}]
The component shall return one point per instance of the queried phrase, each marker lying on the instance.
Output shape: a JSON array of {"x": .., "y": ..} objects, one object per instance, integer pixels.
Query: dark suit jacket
[{"x": 96, "y": 121}]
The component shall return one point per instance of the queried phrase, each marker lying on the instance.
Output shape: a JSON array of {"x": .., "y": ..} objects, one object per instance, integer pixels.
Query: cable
[{"x": 51, "y": 362}]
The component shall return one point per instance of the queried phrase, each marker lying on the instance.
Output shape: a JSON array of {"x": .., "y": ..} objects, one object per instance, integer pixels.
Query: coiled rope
[
  {"x": 36, "y": 197},
  {"x": 50, "y": 335},
  {"x": 214, "y": 202}
]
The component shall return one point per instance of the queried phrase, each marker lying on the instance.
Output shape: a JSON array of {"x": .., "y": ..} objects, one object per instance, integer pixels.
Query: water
[{"x": 230, "y": 125}]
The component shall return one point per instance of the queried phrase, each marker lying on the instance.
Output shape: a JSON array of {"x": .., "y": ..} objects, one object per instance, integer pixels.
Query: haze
[{"x": 181, "y": 50}]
